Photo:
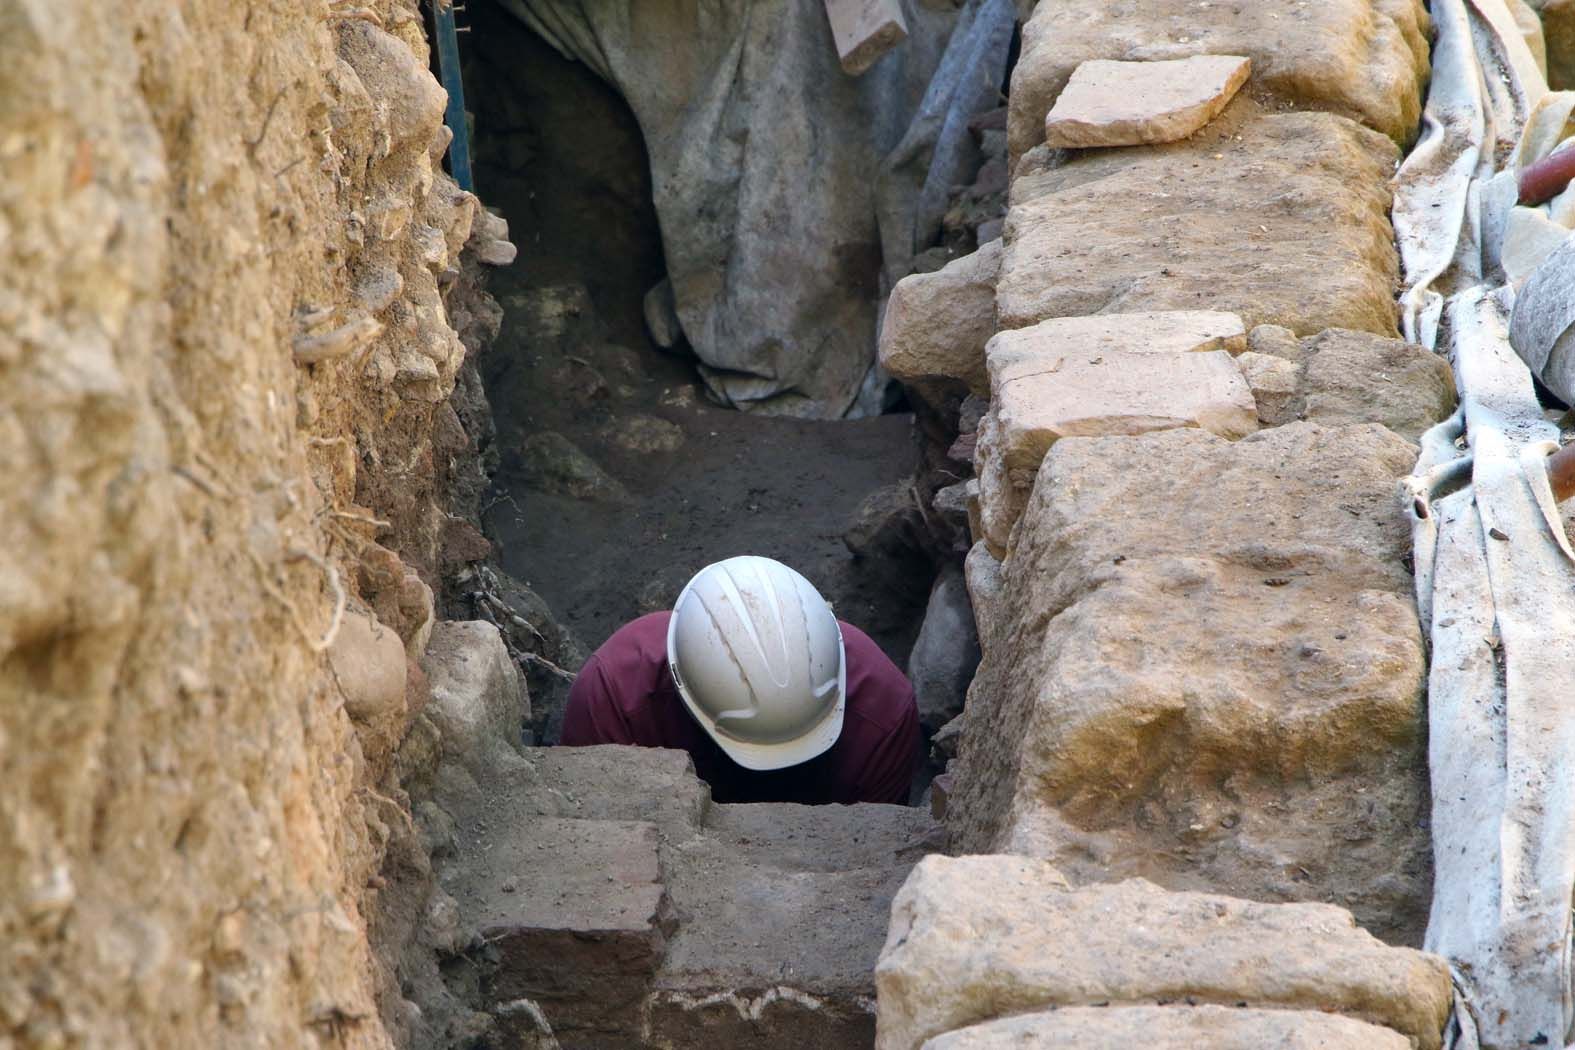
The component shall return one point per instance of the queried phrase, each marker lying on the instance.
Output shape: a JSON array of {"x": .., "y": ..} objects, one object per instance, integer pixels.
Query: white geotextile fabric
[{"x": 1495, "y": 575}]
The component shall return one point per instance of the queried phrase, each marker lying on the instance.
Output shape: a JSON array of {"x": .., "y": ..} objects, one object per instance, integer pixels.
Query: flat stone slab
[
  {"x": 1287, "y": 224},
  {"x": 1205, "y": 668},
  {"x": 1173, "y": 1028},
  {"x": 974, "y": 937},
  {"x": 1109, "y": 103},
  {"x": 1105, "y": 374},
  {"x": 1363, "y": 59}
]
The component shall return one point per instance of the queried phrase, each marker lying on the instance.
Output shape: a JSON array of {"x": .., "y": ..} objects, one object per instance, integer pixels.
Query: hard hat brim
[{"x": 766, "y": 757}]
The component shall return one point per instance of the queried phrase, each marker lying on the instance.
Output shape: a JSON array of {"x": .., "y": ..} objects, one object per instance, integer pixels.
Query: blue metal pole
[{"x": 454, "y": 84}]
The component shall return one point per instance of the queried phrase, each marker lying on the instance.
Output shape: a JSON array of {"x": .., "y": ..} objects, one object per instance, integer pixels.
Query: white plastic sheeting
[{"x": 1495, "y": 574}]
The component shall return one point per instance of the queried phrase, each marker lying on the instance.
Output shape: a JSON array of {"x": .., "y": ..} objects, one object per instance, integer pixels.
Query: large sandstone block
[
  {"x": 972, "y": 938},
  {"x": 1364, "y": 59},
  {"x": 1288, "y": 225},
  {"x": 1106, "y": 374},
  {"x": 1347, "y": 377},
  {"x": 936, "y": 324},
  {"x": 1173, "y": 1028},
  {"x": 1132, "y": 103},
  {"x": 1206, "y": 669}
]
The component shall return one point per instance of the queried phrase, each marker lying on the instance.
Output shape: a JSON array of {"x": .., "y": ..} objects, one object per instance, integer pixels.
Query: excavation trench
[
  {"x": 615, "y": 478},
  {"x": 618, "y": 478}
]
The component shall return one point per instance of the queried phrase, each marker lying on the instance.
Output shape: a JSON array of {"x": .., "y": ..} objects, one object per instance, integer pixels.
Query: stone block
[
  {"x": 1363, "y": 59},
  {"x": 865, "y": 30},
  {"x": 575, "y": 914},
  {"x": 609, "y": 782},
  {"x": 1339, "y": 377},
  {"x": 784, "y": 911},
  {"x": 936, "y": 324},
  {"x": 1173, "y": 1028},
  {"x": 1106, "y": 374},
  {"x": 975, "y": 937},
  {"x": 478, "y": 700},
  {"x": 1287, "y": 224},
  {"x": 1132, "y": 103},
  {"x": 1206, "y": 669}
]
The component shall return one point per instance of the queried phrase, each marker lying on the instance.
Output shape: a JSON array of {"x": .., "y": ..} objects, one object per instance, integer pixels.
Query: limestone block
[
  {"x": 575, "y": 911},
  {"x": 1107, "y": 374},
  {"x": 1173, "y": 1028},
  {"x": 1363, "y": 59},
  {"x": 1274, "y": 382},
  {"x": 1289, "y": 225},
  {"x": 478, "y": 702},
  {"x": 937, "y": 324},
  {"x": 974, "y": 937},
  {"x": 1130, "y": 103},
  {"x": 1339, "y": 376},
  {"x": 865, "y": 30},
  {"x": 1207, "y": 669},
  {"x": 1059, "y": 379}
]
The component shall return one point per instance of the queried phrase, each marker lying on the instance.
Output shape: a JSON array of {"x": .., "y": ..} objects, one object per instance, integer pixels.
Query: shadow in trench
[{"x": 618, "y": 480}]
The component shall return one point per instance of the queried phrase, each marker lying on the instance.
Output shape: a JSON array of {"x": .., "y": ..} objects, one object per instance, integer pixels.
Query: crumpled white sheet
[{"x": 1495, "y": 574}]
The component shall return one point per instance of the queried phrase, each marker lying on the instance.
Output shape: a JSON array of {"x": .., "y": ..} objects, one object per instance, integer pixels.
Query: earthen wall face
[{"x": 223, "y": 355}]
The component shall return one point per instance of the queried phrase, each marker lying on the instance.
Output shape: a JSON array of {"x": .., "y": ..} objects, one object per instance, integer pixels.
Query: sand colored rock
[
  {"x": 1173, "y": 1028},
  {"x": 1132, "y": 103},
  {"x": 1288, "y": 225},
  {"x": 1339, "y": 376},
  {"x": 975, "y": 937},
  {"x": 478, "y": 703},
  {"x": 865, "y": 30},
  {"x": 1207, "y": 670},
  {"x": 1106, "y": 374},
  {"x": 936, "y": 324},
  {"x": 1364, "y": 59}
]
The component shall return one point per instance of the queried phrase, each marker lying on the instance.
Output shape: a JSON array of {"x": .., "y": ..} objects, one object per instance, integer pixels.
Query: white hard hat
[{"x": 757, "y": 655}]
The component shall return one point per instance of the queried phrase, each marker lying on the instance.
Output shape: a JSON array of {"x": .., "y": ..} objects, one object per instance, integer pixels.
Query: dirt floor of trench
[{"x": 668, "y": 482}]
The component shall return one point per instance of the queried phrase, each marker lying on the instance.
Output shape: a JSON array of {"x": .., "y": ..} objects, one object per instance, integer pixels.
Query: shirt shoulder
[{"x": 879, "y": 694}]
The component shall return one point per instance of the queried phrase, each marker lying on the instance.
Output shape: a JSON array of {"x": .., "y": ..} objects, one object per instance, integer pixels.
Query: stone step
[
  {"x": 611, "y": 893},
  {"x": 574, "y": 913}
]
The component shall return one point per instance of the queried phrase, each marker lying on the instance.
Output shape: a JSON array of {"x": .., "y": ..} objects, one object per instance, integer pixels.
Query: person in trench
[{"x": 774, "y": 698}]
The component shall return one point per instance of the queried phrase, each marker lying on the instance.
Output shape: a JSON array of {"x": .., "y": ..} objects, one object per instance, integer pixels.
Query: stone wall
[
  {"x": 225, "y": 352},
  {"x": 1201, "y": 659}
]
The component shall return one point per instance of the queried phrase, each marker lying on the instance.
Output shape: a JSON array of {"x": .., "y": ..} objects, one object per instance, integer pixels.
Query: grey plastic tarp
[
  {"x": 1495, "y": 575},
  {"x": 790, "y": 195}
]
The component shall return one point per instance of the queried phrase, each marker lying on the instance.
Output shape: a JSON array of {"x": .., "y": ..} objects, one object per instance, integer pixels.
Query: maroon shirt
[{"x": 625, "y": 695}]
